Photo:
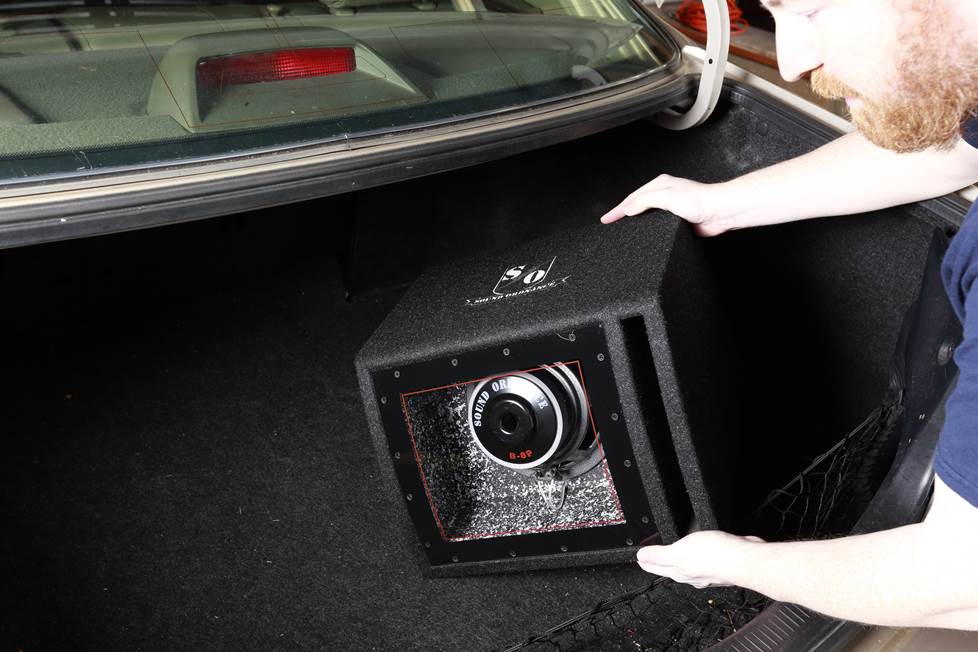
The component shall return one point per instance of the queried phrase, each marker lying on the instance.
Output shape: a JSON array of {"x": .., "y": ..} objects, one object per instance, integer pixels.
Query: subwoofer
[{"x": 555, "y": 404}]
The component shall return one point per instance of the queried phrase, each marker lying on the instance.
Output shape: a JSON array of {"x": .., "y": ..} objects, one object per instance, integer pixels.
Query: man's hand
[
  {"x": 847, "y": 176},
  {"x": 700, "y": 559},
  {"x": 919, "y": 575},
  {"x": 693, "y": 201}
]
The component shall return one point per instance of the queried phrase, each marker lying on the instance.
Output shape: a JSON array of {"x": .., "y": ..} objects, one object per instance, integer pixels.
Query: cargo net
[
  {"x": 824, "y": 500},
  {"x": 663, "y": 616}
]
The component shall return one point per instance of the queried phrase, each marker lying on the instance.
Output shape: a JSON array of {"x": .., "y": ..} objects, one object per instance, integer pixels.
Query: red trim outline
[{"x": 555, "y": 528}]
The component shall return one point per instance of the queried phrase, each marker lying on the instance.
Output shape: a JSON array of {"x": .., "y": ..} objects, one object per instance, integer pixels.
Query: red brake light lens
[{"x": 277, "y": 65}]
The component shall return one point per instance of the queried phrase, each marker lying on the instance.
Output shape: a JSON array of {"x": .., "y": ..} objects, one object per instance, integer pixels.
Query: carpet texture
[{"x": 193, "y": 471}]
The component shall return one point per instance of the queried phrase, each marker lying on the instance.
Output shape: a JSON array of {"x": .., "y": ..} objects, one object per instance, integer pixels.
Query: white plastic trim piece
[{"x": 714, "y": 63}]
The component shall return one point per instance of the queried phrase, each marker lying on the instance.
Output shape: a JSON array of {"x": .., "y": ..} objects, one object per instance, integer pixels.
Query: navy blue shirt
[{"x": 956, "y": 462}]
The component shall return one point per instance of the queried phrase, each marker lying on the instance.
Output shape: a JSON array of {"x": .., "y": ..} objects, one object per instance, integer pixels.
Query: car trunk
[{"x": 186, "y": 460}]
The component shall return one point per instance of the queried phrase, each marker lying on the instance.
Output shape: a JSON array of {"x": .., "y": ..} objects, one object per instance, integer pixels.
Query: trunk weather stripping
[{"x": 714, "y": 63}]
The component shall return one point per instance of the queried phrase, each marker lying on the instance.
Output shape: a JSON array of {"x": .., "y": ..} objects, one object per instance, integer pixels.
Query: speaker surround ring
[
  {"x": 533, "y": 448},
  {"x": 527, "y": 419}
]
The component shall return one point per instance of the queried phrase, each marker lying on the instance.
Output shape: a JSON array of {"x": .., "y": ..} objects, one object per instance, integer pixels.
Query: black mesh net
[
  {"x": 827, "y": 497},
  {"x": 662, "y": 616},
  {"x": 823, "y": 500}
]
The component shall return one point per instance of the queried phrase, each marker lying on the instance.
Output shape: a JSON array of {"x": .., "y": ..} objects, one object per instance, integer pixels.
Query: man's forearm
[
  {"x": 916, "y": 578},
  {"x": 846, "y": 176}
]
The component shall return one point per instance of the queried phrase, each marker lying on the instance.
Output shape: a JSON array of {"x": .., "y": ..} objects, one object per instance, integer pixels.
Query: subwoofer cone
[{"x": 527, "y": 419}]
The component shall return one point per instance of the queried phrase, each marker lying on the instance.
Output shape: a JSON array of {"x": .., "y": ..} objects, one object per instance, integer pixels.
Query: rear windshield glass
[{"x": 85, "y": 85}]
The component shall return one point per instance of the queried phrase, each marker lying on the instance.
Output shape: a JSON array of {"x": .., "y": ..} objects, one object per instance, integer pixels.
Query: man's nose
[{"x": 797, "y": 53}]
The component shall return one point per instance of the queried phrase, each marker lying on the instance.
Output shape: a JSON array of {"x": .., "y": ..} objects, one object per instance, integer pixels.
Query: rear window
[{"x": 85, "y": 87}]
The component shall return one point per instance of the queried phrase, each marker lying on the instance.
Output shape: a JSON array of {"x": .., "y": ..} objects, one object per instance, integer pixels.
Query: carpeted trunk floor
[{"x": 188, "y": 468}]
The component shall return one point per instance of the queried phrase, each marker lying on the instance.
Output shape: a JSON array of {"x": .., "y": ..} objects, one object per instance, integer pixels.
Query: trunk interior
[{"x": 185, "y": 457}]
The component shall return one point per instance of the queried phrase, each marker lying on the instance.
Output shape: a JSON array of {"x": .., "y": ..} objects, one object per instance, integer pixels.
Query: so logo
[
  {"x": 522, "y": 276},
  {"x": 521, "y": 280}
]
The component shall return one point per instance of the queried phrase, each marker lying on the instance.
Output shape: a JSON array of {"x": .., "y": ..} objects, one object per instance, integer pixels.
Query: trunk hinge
[{"x": 714, "y": 60}]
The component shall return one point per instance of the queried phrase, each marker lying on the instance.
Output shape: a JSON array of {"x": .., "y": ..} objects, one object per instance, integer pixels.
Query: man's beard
[
  {"x": 911, "y": 122},
  {"x": 935, "y": 93}
]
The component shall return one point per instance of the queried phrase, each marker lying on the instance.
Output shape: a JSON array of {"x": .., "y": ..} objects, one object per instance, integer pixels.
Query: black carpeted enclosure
[{"x": 185, "y": 458}]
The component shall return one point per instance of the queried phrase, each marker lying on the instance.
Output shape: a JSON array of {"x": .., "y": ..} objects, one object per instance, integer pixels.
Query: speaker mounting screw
[
  {"x": 397, "y": 374},
  {"x": 512, "y": 553},
  {"x": 645, "y": 519},
  {"x": 946, "y": 353},
  {"x": 397, "y": 455},
  {"x": 427, "y": 544},
  {"x": 629, "y": 542},
  {"x": 383, "y": 400},
  {"x": 410, "y": 497},
  {"x": 454, "y": 362},
  {"x": 563, "y": 548},
  {"x": 572, "y": 337},
  {"x": 455, "y": 558},
  {"x": 601, "y": 357},
  {"x": 614, "y": 416},
  {"x": 628, "y": 463},
  {"x": 506, "y": 351}
]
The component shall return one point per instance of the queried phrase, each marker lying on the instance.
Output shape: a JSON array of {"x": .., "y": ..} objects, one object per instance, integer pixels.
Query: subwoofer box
[{"x": 630, "y": 309}]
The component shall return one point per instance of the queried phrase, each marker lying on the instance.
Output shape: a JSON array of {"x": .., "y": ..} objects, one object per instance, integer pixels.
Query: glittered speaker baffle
[
  {"x": 474, "y": 497},
  {"x": 512, "y": 456}
]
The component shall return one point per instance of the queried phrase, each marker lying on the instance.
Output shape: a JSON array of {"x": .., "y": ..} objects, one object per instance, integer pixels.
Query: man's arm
[
  {"x": 846, "y": 176},
  {"x": 921, "y": 575}
]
